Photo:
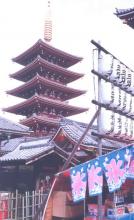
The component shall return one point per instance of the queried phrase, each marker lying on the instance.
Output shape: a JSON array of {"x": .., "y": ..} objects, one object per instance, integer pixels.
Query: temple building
[
  {"x": 10, "y": 129},
  {"x": 45, "y": 76},
  {"x": 31, "y": 158},
  {"x": 126, "y": 15}
]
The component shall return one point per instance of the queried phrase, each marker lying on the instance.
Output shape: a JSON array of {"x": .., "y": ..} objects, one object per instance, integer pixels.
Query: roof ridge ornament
[{"x": 48, "y": 24}]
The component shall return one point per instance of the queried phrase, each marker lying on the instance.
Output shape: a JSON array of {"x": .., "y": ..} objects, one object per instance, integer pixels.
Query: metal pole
[
  {"x": 100, "y": 217},
  {"x": 66, "y": 164}
]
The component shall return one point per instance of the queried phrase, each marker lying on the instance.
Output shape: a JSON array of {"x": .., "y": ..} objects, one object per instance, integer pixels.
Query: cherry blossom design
[
  {"x": 114, "y": 171},
  {"x": 94, "y": 179},
  {"x": 78, "y": 184}
]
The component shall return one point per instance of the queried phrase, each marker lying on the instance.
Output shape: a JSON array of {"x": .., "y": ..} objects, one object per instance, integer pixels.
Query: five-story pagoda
[{"x": 45, "y": 76}]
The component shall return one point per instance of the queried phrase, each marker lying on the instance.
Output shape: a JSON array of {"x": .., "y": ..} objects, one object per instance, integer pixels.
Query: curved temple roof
[
  {"x": 6, "y": 124},
  {"x": 127, "y": 15},
  {"x": 41, "y": 119},
  {"x": 30, "y": 150},
  {"x": 38, "y": 80},
  {"x": 124, "y": 12},
  {"x": 74, "y": 130},
  {"x": 38, "y": 62},
  {"x": 36, "y": 100},
  {"x": 11, "y": 128},
  {"x": 40, "y": 44},
  {"x": 34, "y": 149}
]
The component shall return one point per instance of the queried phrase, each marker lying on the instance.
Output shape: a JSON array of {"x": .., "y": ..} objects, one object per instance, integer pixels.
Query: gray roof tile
[
  {"x": 11, "y": 144},
  {"x": 75, "y": 129},
  {"x": 8, "y": 125},
  {"x": 28, "y": 150}
]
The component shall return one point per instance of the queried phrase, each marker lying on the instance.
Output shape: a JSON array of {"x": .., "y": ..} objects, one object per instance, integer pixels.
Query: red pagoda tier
[
  {"x": 47, "y": 70},
  {"x": 44, "y": 87},
  {"x": 39, "y": 104},
  {"x": 47, "y": 52},
  {"x": 45, "y": 77},
  {"x": 127, "y": 15}
]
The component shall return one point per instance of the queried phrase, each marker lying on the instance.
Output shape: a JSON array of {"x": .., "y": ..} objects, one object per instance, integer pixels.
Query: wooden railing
[{"x": 16, "y": 206}]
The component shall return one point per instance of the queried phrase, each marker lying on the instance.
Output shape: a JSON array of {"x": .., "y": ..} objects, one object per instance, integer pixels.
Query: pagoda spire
[{"x": 48, "y": 24}]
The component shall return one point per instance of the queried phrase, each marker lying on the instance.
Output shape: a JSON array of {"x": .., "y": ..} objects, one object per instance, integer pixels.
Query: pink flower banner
[
  {"x": 117, "y": 166},
  {"x": 95, "y": 177},
  {"x": 79, "y": 182}
]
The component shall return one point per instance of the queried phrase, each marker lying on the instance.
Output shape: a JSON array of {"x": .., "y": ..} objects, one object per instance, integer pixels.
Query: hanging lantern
[
  {"x": 123, "y": 125},
  {"x": 112, "y": 95},
  {"x": 115, "y": 99},
  {"x": 116, "y": 71},
  {"x": 122, "y": 75},
  {"x": 128, "y": 103},
  {"x": 130, "y": 81},
  {"x": 130, "y": 107},
  {"x": 131, "y": 128},
  {"x": 107, "y": 65},
  {"x": 120, "y": 95},
  {"x": 105, "y": 96},
  {"x": 60, "y": 137},
  {"x": 66, "y": 173},
  {"x": 112, "y": 122},
  {"x": 105, "y": 121},
  {"x": 116, "y": 128}
]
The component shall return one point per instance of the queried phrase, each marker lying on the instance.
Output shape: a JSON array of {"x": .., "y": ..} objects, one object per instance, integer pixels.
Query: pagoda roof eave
[
  {"x": 40, "y": 61},
  {"x": 126, "y": 15},
  {"x": 123, "y": 13},
  {"x": 34, "y": 100},
  {"x": 38, "y": 79},
  {"x": 48, "y": 47},
  {"x": 40, "y": 119}
]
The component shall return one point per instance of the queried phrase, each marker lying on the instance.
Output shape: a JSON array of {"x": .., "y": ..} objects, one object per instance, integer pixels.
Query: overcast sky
[{"x": 75, "y": 23}]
